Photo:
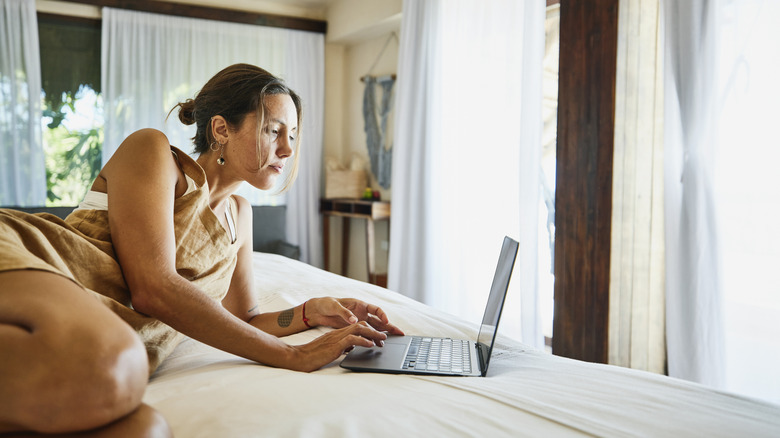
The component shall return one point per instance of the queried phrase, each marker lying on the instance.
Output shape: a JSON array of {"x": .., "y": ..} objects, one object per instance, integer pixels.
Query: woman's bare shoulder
[
  {"x": 244, "y": 215},
  {"x": 147, "y": 139},
  {"x": 145, "y": 150},
  {"x": 241, "y": 201},
  {"x": 244, "y": 207}
]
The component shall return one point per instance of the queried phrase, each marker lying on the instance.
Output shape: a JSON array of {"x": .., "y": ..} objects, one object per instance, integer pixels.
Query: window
[{"x": 72, "y": 106}]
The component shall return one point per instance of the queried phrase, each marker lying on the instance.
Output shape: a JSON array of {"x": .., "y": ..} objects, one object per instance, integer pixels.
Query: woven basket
[{"x": 344, "y": 184}]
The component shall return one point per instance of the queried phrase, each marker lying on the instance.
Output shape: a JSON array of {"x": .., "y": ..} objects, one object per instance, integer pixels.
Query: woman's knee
[
  {"x": 93, "y": 376},
  {"x": 81, "y": 367}
]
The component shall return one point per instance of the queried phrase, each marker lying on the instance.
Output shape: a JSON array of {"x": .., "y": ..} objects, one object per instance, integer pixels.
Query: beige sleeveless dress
[{"x": 80, "y": 248}]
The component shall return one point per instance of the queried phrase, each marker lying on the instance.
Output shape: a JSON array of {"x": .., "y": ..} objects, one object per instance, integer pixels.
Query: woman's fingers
[
  {"x": 360, "y": 334},
  {"x": 364, "y": 330},
  {"x": 353, "y": 341},
  {"x": 333, "y": 312},
  {"x": 378, "y": 319},
  {"x": 346, "y": 314},
  {"x": 339, "y": 313},
  {"x": 333, "y": 344},
  {"x": 376, "y": 310},
  {"x": 384, "y": 326},
  {"x": 365, "y": 310}
]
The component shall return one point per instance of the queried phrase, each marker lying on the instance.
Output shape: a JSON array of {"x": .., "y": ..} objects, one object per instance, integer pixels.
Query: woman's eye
[{"x": 292, "y": 139}]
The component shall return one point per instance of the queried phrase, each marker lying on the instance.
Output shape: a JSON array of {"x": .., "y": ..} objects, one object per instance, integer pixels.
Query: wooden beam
[
  {"x": 209, "y": 13},
  {"x": 57, "y": 18},
  {"x": 583, "y": 199}
]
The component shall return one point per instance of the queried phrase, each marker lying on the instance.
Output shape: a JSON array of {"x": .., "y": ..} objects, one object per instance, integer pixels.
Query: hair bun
[{"x": 187, "y": 111}]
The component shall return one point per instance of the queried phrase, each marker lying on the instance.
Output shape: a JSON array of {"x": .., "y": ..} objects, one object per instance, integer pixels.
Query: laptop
[{"x": 442, "y": 356}]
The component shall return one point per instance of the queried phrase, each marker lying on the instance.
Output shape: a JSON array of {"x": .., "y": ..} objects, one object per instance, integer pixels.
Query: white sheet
[{"x": 204, "y": 392}]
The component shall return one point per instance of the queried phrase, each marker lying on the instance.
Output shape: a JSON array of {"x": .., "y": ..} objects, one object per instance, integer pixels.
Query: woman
[{"x": 165, "y": 248}]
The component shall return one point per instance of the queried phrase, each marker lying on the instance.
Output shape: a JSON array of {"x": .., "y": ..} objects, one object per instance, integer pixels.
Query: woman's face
[{"x": 274, "y": 141}]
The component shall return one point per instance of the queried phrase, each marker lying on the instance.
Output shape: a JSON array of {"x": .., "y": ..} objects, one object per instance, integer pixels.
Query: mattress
[{"x": 204, "y": 392}]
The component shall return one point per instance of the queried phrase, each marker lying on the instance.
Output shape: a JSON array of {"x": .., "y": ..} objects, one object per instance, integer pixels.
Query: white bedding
[{"x": 204, "y": 392}]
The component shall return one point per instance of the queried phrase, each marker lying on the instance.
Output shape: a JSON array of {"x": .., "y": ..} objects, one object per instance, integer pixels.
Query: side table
[{"x": 354, "y": 208}]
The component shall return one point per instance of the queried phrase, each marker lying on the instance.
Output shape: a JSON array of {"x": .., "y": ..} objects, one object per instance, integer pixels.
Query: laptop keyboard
[{"x": 438, "y": 354}]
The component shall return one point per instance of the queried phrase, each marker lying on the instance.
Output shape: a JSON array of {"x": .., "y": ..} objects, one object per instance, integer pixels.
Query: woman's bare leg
[
  {"x": 144, "y": 422},
  {"x": 69, "y": 364}
]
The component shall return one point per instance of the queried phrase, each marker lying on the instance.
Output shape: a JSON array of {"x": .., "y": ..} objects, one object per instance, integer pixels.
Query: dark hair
[{"x": 233, "y": 93}]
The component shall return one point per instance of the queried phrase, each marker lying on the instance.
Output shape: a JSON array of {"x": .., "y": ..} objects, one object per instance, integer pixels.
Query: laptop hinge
[{"x": 480, "y": 358}]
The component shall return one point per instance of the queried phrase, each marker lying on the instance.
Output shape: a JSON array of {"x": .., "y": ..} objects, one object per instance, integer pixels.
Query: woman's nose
[{"x": 284, "y": 149}]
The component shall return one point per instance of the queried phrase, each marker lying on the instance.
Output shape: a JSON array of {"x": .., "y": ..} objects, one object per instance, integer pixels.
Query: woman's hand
[
  {"x": 331, "y": 345},
  {"x": 343, "y": 312}
]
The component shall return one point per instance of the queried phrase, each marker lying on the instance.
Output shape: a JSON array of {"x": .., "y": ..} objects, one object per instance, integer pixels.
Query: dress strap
[{"x": 230, "y": 222}]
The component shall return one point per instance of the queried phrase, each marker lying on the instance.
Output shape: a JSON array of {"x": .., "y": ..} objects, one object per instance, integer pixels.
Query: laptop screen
[{"x": 487, "y": 331}]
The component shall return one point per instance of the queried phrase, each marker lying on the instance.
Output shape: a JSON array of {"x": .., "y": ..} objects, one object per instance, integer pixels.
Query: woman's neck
[{"x": 221, "y": 183}]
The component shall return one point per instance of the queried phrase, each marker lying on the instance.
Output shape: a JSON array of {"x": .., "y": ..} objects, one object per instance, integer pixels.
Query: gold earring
[
  {"x": 221, "y": 148},
  {"x": 221, "y": 159}
]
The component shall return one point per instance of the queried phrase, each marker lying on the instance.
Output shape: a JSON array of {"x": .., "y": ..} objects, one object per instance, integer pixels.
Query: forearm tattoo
[{"x": 285, "y": 318}]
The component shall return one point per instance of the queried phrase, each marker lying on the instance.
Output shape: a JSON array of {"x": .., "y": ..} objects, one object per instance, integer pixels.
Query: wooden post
[{"x": 583, "y": 199}]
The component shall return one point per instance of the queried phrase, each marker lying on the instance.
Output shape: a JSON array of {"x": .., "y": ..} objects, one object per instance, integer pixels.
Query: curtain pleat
[{"x": 694, "y": 322}]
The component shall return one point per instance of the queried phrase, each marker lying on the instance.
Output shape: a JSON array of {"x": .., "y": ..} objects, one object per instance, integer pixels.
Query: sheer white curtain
[
  {"x": 693, "y": 287},
  {"x": 721, "y": 93},
  {"x": 305, "y": 72},
  {"x": 151, "y": 62},
  {"x": 22, "y": 169},
  {"x": 467, "y": 155}
]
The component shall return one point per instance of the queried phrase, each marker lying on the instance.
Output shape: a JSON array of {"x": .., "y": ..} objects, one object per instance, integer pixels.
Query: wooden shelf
[
  {"x": 359, "y": 208},
  {"x": 354, "y": 209}
]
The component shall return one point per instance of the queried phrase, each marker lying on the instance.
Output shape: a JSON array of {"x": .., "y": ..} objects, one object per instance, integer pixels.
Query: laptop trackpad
[{"x": 388, "y": 357}]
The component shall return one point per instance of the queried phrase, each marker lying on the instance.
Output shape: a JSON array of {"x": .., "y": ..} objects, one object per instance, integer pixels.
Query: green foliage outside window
[{"x": 72, "y": 146}]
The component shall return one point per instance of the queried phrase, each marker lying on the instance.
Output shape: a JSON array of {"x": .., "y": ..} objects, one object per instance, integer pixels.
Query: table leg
[
  {"x": 370, "y": 251},
  {"x": 344, "y": 245},
  {"x": 326, "y": 241}
]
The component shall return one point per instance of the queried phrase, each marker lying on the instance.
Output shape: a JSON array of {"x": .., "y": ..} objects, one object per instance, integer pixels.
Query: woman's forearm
[{"x": 178, "y": 303}]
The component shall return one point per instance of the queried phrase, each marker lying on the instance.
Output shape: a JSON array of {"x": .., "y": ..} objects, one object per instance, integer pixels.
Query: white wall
[{"x": 357, "y": 32}]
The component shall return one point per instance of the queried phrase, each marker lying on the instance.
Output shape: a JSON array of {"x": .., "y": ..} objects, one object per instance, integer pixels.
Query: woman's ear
[{"x": 219, "y": 129}]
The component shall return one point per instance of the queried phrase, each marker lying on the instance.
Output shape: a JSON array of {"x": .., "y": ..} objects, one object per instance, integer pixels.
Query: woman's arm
[
  {"x": 240, "y": 299},
  {"x": 141, "y": 182},
  {"x": 241, "y": 302}
]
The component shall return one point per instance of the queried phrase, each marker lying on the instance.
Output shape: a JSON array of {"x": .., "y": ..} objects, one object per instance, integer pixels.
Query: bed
[{"x": 204, "y": 392}]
